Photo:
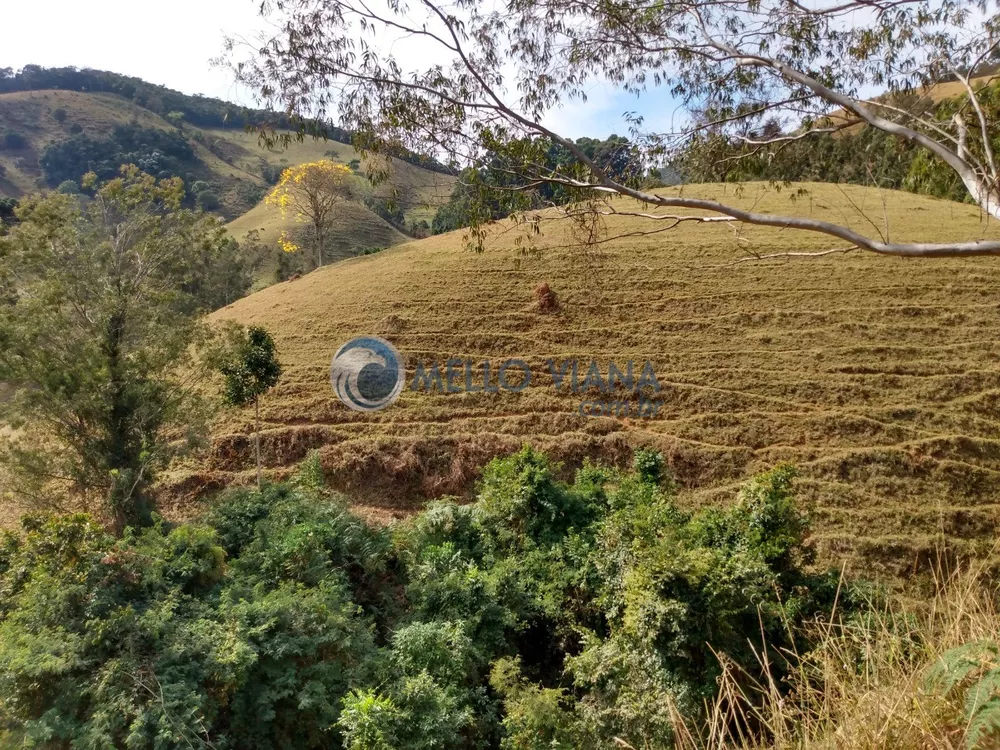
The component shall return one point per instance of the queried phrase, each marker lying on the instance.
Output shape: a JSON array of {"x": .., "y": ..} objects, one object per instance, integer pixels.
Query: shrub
[
  {"x": 207, "y": 200},
  {"x": 59, "y": 115},
  {"x": 76, "y": 128},
  {"x": 251, "y": 194},
  {"x": 156, "y": 641},
  {"x": 12, "y": 140},
  {"x": 199, "y": 186},
  {"x": 270, "y": 173},
  {"x": 68, "y": 187},
  {"x": 419, "y": 229},
  {"x": 548, "y": 614}
]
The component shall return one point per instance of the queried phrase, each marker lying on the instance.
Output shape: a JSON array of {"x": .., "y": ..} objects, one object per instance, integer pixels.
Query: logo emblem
[{"x": 367, "y": 373}]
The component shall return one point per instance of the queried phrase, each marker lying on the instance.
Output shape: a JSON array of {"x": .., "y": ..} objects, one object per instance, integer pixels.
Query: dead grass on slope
[
  {"x": 867, "y": 685},
  {"x": 878, "y": 377}
]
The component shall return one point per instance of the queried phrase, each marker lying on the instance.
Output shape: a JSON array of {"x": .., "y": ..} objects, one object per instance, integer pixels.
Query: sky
[{"x": 173, "y": 45}]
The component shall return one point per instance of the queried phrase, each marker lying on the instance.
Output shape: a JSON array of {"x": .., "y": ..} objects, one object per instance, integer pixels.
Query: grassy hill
[
  {"x": 878, "y": 377},
  {"x": 231, "y": 160}
]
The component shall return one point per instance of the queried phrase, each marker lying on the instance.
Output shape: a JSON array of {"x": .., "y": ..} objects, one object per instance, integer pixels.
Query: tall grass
[{"x": 869, "y": 683}]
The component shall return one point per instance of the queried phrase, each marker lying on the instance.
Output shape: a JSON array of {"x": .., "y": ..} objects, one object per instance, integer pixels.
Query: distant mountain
[{"x": 58, "y": 124}]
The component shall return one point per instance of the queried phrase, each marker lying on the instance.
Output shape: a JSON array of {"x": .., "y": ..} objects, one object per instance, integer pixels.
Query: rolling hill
[
  {"x": 878, "y": 377},
  {"x": 229, "y": 159}
]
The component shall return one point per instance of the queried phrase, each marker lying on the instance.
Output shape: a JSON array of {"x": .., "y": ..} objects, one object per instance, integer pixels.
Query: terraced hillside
[{"x": 878, "y": 377}]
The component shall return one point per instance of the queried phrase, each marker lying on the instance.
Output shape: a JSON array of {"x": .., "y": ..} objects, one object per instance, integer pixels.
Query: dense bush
[
  {"x": 207, "y": 200},
  {"x": 7, "y": 209},
  {"x": 545, "y": 615},
  {"x": 244, "y": 632}
]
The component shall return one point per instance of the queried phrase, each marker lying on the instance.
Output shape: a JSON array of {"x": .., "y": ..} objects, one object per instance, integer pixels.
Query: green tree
[
  {"x": 207, "y": 200},
  {"x": 251, "y": 369},
  {"x": 97, "y": 341}
]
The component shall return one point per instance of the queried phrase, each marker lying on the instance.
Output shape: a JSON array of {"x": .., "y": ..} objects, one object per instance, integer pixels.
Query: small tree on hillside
[
  {"x": 312, "y": 193},
  {"x": 251, "y": 369},
  {"x": 96, "y": 340}
]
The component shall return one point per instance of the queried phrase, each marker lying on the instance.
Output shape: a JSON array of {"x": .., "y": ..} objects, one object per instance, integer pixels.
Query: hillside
[
  {"x": 231, "y": 161},
  {"x": 877, "y": 377}
]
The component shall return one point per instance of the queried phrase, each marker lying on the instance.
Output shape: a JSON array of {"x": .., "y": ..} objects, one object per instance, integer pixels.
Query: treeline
[
  {"x": 859, "y": 155},
  {"x": 546, "y": 615},
  {"x": 202, "y": 111}
]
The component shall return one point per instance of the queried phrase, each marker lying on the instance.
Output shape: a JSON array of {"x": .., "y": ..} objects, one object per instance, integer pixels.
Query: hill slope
[
  {"x": 878, "y": 377},
  {"x": 230, "y": 160}
]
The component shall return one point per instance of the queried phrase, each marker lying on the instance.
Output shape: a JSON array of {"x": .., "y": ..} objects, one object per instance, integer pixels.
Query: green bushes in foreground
[{"x": 544, "y": 615}]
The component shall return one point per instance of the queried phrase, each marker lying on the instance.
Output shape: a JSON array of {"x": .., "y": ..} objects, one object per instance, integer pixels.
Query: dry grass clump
[
  {"x": 869, "y": 684},
  {"x": 546, "y": 298}
]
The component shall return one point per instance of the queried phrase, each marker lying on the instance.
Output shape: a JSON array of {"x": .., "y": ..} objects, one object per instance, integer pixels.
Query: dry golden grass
[
  {"x": 936, "y": 93},
  {"x": 877, "y": 376},
  {"x": 865, "y": 686}
]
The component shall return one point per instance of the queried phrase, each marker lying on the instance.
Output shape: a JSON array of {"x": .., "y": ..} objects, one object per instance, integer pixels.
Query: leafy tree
[
  {"x": 388, "y": 209},
  {"x": 251, "y": 369},
  {"x": 765, "y": 75},
  {"x": 312, "y": 192},
  {"x": 96, "y": 339},
  {"x": 68, "y": 187},
  {"x": 207, "y": 200}
]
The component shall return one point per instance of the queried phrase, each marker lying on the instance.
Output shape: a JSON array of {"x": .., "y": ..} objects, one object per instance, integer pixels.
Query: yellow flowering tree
[{"x": 312, "y": 192}]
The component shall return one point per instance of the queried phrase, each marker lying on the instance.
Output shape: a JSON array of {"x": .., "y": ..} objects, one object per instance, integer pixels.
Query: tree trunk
[
  {"x": 319, "y": 245},
  {"x": 256, "y": 438},
  {"x": 127, "y": 499}
]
